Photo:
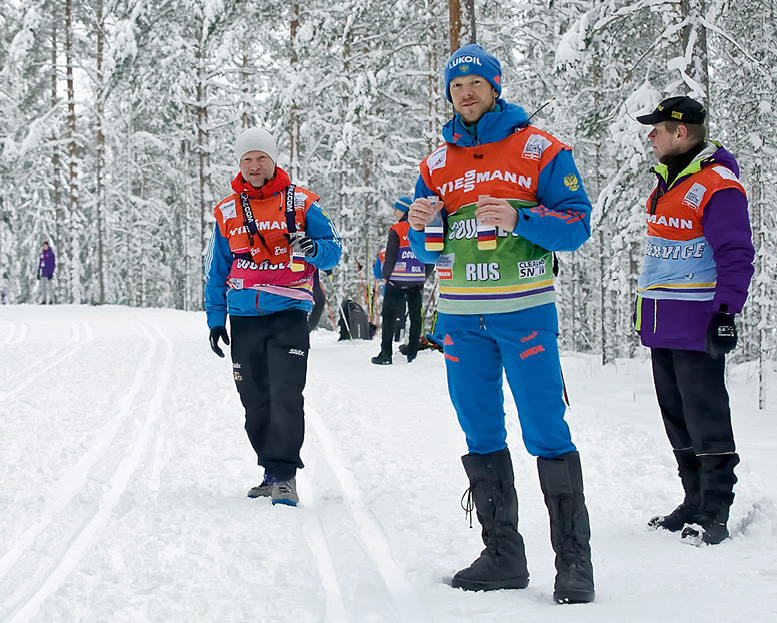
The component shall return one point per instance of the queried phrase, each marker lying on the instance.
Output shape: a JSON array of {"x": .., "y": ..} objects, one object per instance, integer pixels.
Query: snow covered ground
[{"x": 124, "y": 467}]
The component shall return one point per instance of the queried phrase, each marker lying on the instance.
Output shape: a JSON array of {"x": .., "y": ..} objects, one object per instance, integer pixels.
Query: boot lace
[{"x": 468, "y": 504}]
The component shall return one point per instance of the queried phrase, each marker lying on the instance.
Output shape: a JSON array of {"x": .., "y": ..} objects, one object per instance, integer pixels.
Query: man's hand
[
  {"x": 721, "y": 335},
  {"x": 215, "y": 334},
  {"x": 422, "y": 212},
  {"x": 303, "y": 244},
  {"x": 497, "y": 212}
]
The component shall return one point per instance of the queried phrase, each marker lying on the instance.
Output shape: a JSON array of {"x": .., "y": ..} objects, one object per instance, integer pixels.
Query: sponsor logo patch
[
  {"x": 531, "y": 336},
  {"x": 535, "y": 147},
  {"x": 444, "y": 266},
  {"x": 726, "y": 174},
  {"x": 228, "y": 211},
  {"x": 533, "y": 268},
  {"x": 694, "y": 196},
  {"x": 296, "y": 351},
  {"x": 571, "y": 182},
  {"x": 437, "y": 159}
]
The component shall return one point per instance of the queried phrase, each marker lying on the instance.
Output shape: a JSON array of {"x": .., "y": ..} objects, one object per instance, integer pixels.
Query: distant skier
[
  {"x": 46, "y": 264},
  {"x": 270, "y": 239},
  {"x": 695, "y": 276}
]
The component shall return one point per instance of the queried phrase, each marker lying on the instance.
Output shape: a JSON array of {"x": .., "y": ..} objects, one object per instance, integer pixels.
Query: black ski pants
[
  {"x": 692, "y": 396},
  {"x": 269, "y": 361},
  {"x": 393, "y": 300}
]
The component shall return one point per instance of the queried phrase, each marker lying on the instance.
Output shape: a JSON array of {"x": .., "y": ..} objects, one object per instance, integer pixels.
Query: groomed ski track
[{"x": 124, "y": 467}]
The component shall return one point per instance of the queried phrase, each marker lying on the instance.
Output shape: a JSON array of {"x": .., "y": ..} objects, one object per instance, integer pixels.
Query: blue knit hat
[
  {"x": 473, "y": 60},
  {"x": 403, "y": 204}
]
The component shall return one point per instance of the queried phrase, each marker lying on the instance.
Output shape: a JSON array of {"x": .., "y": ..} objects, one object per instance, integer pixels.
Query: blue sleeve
[
  {"x": 417, "y": 238},
  {"x": 562, "y": 220},
  {"x": 421, "y": 189},
  {"x": 320, "y": 228},
  {"x": 218, "y": 262},
  {"x": 376, "y": 268}
]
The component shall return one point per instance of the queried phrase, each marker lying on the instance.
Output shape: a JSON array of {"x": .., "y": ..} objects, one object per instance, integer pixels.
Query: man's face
[
  {"x": 665, "y": 140},
  {"x": 472, "y": 96},
  {"x": 398, "y": 214},
  {"x": 257, "y": 168},
  {"x": 45, "y": 246}
]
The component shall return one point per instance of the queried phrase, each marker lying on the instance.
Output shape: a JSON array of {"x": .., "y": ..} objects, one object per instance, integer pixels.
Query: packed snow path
[{"x": 124, "y": 467}]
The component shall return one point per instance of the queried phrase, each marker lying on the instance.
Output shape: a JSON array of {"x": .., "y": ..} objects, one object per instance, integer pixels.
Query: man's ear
[{"x": 682, "y": 131}]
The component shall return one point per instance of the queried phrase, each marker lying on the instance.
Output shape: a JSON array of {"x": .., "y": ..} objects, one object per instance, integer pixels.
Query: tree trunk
[
  {"x": 55, "y": 157},
  {"x": 294, "y": 117},
  {"x": 100, "y": 154},
  {"x": 462, "y": 23},
  {"x": 203, "y": 148},
  {"x": 694, "y": 47},
  {"x": 74, "y": 225}
]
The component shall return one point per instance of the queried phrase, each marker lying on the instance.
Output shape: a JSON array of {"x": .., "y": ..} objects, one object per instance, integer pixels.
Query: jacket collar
[
  {"x": 491, "y": 128},
  {"x": 271, "y": 187}
]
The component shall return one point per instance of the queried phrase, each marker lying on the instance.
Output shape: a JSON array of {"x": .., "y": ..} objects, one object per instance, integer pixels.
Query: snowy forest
[{"x": 118, "y": 120}]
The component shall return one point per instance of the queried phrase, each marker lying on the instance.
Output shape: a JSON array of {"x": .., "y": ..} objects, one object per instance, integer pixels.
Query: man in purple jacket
[
  {"x": 46, "y": 265},
  {"x": 696, "y": 272}
]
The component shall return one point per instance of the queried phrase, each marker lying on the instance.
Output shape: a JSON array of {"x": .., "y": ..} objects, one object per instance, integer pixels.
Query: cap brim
[{"x": 650, "y": 119}]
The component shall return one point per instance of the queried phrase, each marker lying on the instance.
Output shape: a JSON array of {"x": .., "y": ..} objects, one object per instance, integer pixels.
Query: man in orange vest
[
  {"x": 695, "y": 276},
  {"x": 491, "y": 205},
  {"x": 404, "y": 275},
  {"x": 270, "y": 239}
]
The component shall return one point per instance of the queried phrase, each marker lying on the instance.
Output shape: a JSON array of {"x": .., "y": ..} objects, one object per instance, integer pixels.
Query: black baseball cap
[{"x": 682, "y": 108}]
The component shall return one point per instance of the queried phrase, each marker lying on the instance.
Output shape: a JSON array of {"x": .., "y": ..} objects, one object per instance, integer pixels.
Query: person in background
[
  {"x": 694, "y": 280},
  {"x": 401, "y": 319},
  {"x": 404, "y": 276},
  {"x": 497, "y": 175},
  {"x": 270, "y": 239},
  {"x": 47, "y": 262}
]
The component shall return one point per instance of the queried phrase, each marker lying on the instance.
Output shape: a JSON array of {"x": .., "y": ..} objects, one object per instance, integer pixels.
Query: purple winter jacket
[
  {"x": 682, "y": 324},
  {"x": 46, "y": 264}
]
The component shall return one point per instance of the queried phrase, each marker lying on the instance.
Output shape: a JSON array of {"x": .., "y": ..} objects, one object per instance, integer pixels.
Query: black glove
[
  {"x": 215, "y": 334},
  {"x": 721, "y": 335},
  {"x": 303, "y": 244}
]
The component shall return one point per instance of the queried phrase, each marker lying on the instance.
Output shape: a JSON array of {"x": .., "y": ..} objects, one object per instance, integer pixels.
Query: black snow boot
[
  {"x": 688, "y": 468},
  {"x": 561, "y": 480},
  {"x": 502, "y": 564},
  {"x": 717, "y": 495},
  {"x": 382, "y": 359}
]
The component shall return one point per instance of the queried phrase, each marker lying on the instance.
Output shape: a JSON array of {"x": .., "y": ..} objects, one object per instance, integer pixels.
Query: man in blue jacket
[
  {"x": 509, "y": 195},
  {"x": 270, "y": 239}
]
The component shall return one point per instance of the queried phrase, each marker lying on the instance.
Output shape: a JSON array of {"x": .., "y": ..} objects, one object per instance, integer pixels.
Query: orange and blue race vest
[
  {"x": 518, "y": 274},
  {"x": 407, "y": 268},
  {"x": 264, "y": 263},
  {"x": 679, "y": 262}
]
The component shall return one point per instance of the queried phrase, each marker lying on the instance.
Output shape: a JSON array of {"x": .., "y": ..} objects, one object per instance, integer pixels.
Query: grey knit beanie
[{"x": 256, "y": 139}]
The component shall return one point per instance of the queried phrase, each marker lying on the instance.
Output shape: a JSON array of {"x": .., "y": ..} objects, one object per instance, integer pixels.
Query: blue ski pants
[{"x": 475, "y": 361}]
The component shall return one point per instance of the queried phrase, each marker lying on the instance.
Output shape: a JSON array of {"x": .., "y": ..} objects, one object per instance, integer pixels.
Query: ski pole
[{"x": 364, "y": 289}]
